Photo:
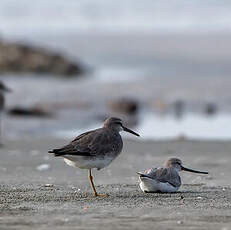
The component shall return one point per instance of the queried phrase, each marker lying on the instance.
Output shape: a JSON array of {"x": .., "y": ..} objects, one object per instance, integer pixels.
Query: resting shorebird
[
  {"x": 164, "y": 179},
  {"x": 95, "y": 149},
  {"x": 3, "y": 89}
]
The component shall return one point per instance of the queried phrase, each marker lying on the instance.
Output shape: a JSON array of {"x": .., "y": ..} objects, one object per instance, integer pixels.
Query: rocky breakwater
[{"x": 20, "y": 58}]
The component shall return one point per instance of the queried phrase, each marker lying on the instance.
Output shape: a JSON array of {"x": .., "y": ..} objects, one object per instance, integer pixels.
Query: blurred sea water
[
  {"x": 36, "y": 17},
  {"x": 148, "y": 50}
]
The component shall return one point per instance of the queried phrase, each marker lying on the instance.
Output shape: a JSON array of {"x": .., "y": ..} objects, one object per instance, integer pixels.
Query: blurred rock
[
  {"x": 210, "y": 109},
  {"x": 160, "y": 106},
  {"x": 178, "y": 108},
  {"x": 181, "y": 137},
  {"x": 24, "y": 58},
  {"x": 63, "y": 105},
  {"x": 32, "y": 111},
  {"x": 127, "y": 106}
]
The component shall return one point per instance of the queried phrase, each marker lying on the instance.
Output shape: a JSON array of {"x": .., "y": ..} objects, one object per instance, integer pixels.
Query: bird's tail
[
  {"x": 57, "y": 152},
  {"x": 142, "y": 175}
]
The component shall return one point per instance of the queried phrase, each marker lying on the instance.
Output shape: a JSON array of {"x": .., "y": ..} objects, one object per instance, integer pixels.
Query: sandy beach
[{"x": 58, "y": 196}]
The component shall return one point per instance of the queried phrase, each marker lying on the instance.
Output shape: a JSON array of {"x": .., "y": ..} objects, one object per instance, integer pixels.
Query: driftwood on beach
[{"x": 19, "y": 58}]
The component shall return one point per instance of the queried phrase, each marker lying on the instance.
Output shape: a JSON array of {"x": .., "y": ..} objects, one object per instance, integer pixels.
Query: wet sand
[{"x": 204, "y": 202}]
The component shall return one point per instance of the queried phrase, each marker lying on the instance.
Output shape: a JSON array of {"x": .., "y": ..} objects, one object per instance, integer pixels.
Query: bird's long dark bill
[
  {"x": 130, "y": 131},
  {"x": 193, "y": 171}
]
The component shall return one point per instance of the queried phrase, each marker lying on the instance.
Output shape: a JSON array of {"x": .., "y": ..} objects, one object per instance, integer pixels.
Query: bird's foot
[{"x": 101, "y": 195}]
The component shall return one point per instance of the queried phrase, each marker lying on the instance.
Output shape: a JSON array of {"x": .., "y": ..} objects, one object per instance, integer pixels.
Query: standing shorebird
[
  {"x": 164, "y": 179},
  {"x": 3, "y": 90},
  {"x": 95, "y": 149}
]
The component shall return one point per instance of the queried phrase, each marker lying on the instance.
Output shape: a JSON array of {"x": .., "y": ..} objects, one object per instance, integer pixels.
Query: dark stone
[
  {"x": 32, "y": 111},
  {"x": 124, "y": 105},
  {"x": 179, "y": 107},
  {"x": 25, "y": 59},
  {"x": 210, "y": 109}
]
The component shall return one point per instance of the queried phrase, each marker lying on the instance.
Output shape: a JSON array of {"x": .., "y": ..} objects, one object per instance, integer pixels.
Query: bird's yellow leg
[{"x": 93, "y": 186}]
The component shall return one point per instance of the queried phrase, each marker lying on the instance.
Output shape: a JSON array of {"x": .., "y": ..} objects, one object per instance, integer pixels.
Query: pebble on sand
[{"x": 43, "y": 167}]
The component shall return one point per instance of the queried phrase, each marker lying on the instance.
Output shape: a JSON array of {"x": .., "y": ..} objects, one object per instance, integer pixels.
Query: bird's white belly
[
  {"x": 150, "y": 185},
  {"x": 87, "y": 163}
]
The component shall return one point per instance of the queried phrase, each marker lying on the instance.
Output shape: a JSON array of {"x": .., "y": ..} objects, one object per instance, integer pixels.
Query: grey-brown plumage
[
  {"x": 164, "y": 175},
  {"x": 96, "y": 148},
  {"x": 164, "y": 179}
]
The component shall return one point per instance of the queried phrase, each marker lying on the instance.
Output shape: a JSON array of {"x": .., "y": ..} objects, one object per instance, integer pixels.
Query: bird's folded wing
[
  {"x": 164, "y": 175},
  {"x": 86, "y": 144}
]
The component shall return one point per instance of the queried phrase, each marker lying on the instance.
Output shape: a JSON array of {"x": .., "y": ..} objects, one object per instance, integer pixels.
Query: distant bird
[
  {"x": 95, "y": 149},
  {"x": 164, "y": 179},
  {"x": 3, "y": 89}
]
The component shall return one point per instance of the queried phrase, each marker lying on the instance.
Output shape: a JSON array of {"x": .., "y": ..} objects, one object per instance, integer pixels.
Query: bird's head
[
  {"x": 177, "y": 164},
  {"x": 117, "y": 124}
]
